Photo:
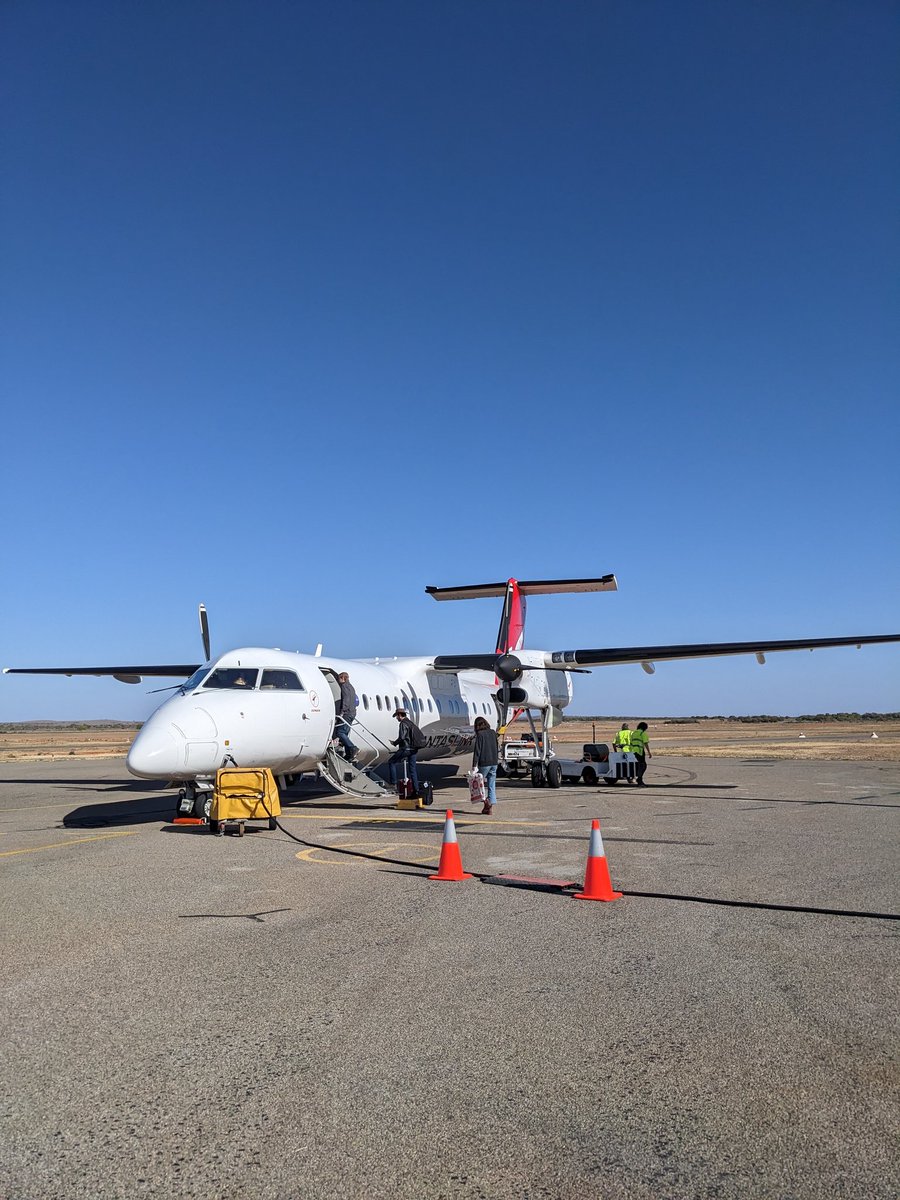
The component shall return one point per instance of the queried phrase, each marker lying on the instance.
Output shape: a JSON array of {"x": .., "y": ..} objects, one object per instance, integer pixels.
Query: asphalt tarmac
[{"x": 193, "y": 1016}]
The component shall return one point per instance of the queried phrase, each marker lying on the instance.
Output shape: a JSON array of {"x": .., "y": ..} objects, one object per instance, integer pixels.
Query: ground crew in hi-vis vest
[
  {"x": 623, "y": 740},
  {"x": 640, "y": 748}
]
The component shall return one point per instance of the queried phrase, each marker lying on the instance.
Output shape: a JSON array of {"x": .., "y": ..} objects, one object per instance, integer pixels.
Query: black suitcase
[{"x": 426, "y": 793}]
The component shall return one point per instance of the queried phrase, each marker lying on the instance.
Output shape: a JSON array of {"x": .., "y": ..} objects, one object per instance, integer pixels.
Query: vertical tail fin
[{"x": 511, "y": 634}]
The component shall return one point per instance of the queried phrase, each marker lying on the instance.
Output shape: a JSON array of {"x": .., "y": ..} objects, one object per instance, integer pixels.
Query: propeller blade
[{"x": 204, "y": 631}]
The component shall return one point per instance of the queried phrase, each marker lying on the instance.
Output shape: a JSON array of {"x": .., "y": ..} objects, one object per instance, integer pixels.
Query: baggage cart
[{"x": 243, "y": 794}]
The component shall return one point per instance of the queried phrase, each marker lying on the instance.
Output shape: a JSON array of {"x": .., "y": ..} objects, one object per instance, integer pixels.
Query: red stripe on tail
[{"x": 511, "y": 635}]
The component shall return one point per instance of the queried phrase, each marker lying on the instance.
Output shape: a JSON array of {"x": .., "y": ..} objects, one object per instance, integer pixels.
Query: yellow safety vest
[
  {"x": 623, "y": 740},
  {"x": 639, "y": 741}
]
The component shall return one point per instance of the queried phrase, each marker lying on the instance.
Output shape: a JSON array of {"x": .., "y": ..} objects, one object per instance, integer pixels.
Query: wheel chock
[{"x": 410, "y": 803}]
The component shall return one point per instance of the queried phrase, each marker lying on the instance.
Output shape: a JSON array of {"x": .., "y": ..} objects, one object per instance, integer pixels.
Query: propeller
[{"x": 204, "y": 632}]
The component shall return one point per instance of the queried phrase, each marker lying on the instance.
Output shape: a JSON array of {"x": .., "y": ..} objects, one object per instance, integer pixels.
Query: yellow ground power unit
[{"x": 243, "y": 794}]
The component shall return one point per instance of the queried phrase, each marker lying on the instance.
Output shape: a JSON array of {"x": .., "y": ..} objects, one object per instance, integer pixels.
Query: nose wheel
[{"x": 193, "y": 802}]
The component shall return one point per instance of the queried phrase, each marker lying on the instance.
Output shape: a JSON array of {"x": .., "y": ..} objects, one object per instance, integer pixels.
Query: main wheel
[
  {"x": 537, "y": 774},
  {"x": 554, "y": 774}
]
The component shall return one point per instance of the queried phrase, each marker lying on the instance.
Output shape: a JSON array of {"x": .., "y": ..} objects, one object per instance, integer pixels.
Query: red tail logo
[{"x": 511, "y": 635}]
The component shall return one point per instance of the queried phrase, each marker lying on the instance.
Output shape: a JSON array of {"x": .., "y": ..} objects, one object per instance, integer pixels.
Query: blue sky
[{"x": 306, "y": 306}]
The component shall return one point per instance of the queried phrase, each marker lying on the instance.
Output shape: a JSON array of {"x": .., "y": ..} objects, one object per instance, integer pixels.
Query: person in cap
[{"x": 403, "y": 760}]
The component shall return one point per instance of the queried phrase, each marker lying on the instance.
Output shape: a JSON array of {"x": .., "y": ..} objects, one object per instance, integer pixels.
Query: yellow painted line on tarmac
[
  {"x": 100, "y": 837},
  {"x": 27, "y": 808},
  {"x": 427, "y": 855},
  {"x": 435, "y": 820}
]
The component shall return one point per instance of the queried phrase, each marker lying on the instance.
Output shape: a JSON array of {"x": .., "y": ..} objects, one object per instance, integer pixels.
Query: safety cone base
[
  {"x": 611, "y": 896},
  {"x": 597, "y": 883}
]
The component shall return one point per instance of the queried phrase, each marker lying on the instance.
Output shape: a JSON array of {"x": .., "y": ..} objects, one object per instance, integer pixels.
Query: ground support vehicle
[{"x": 597, "y": 763}]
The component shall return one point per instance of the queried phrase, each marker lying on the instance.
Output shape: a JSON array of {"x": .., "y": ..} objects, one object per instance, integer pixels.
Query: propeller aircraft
[{"x": 259, "y": 707}]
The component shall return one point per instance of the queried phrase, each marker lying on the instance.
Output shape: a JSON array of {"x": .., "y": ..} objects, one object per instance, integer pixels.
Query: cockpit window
[
  {"x": 194, "y": 681},
  {"x": 283, "y": 681},
  {"x": 233, "y": 677}
]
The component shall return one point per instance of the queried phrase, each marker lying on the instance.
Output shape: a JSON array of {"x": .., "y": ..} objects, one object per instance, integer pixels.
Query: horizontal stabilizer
[{"x": 527, "y": 587}]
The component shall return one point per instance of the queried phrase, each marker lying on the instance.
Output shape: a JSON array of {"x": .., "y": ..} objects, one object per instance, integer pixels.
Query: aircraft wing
[
  {"x": 649, "y": 654},
  {"x": 123, "y": 674}
]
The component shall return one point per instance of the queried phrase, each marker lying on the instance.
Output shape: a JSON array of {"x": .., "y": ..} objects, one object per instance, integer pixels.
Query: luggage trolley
[{"x": 243, "y": 794}]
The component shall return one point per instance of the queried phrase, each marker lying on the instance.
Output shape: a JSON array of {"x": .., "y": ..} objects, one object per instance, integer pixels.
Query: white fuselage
[{"x": 247, "y": 707}]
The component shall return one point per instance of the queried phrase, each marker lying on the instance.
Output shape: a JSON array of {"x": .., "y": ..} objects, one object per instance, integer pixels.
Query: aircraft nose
[{"x": 156, "y": 752}]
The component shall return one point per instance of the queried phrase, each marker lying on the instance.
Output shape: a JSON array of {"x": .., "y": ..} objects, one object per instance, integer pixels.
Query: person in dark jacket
[
  {"x": 346, "y": 715},
  {"x": 405, "y": 752},
  {"x": 485, "y": 759}
]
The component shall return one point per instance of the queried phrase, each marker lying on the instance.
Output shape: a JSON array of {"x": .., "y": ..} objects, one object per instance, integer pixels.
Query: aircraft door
[
  {"x": 298, "y": 715},
  {"x": 319, "y": 717}
]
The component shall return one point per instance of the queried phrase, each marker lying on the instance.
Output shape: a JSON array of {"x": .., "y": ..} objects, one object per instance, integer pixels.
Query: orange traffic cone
[
  {"x": 597, "y": 883},
  {"x": 450, "y": 866}
]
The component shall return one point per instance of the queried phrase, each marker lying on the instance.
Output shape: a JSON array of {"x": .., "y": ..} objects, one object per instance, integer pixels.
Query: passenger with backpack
[{"x": 409, "y": 740}]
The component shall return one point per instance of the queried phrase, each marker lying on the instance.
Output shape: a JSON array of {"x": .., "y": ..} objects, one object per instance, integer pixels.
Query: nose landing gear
[{"x": 195, "y": 799}]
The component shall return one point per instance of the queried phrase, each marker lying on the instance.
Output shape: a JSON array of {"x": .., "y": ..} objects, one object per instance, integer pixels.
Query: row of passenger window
[
  {"x": 417, "y": 706},
  {"x": 287, "y": 681}
]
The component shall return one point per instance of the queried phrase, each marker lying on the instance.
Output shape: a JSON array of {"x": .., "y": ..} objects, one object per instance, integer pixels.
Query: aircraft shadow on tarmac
[
  {"x": 159, "y": 805},
  {"x": 83, "y": 785},
  {"x": 146, "y": 810}
]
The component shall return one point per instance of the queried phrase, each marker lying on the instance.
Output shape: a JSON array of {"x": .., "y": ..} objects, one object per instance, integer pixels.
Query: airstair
[{"x": 351, "y": 780}]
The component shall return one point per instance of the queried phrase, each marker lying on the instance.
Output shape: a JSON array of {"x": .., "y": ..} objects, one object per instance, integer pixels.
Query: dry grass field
[
  {"x": 707, "y": 738},
  {"x": 715, "y": 737},
  {"x": 31, "y": 742}
]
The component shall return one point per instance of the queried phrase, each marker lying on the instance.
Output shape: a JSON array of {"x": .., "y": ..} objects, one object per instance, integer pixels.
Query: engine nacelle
[
  {"x": 535, "y": 687},
  {"x": 508, "y": 668}
]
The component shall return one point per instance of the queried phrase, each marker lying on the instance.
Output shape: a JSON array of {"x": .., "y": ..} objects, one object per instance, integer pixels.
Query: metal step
[{"x": 351, "y": 780}]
